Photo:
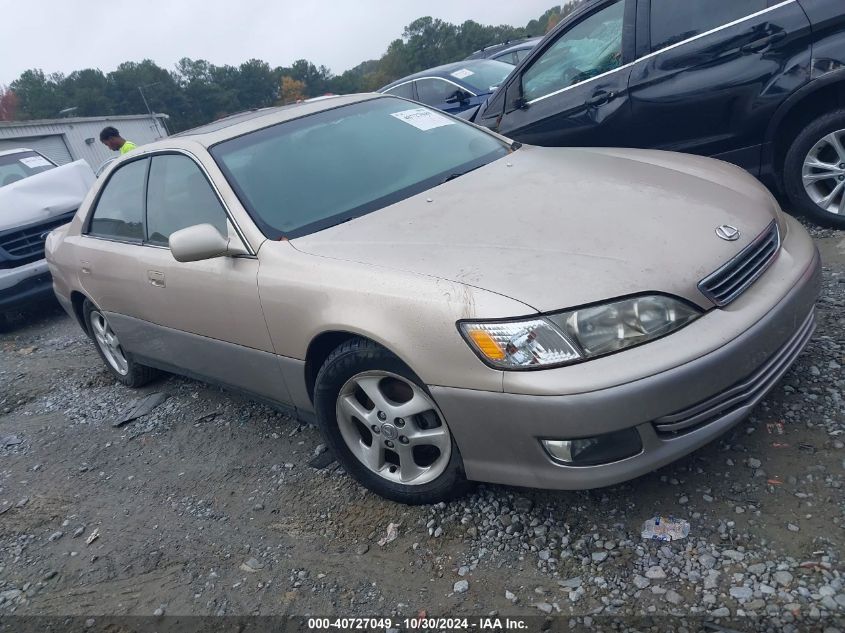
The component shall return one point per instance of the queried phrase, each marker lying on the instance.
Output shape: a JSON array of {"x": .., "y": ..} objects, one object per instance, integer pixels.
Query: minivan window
[
  {"x": 20, "y": 165},
  {"x": 670, "y": 24},
  {"x": 316, "y": 171},
  {"x": 179, "y": 196},
  {"x": 590, "y": 48},
  {"x": 119, "y": 213}
]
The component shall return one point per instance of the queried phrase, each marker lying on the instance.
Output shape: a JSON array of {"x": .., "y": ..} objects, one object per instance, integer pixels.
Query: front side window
[
  {"x": 435, "y": 91},
  {"x": 670, "y": 24},
  {"x": 590, "y": 48},
  {"x": 179, "y": 196},
  {"x": 402, "y": 90},
  {"x": 119, "y": 213},
  {"x": 316, "y": 171},
  {"x": 20, "y": 165}
]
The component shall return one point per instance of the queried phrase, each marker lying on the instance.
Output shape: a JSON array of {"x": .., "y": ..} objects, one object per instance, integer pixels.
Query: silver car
[{"x": 447, "y": 305}]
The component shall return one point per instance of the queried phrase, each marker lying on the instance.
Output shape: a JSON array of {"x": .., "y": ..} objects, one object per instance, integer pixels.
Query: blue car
[{"x": 454, "y": 87}]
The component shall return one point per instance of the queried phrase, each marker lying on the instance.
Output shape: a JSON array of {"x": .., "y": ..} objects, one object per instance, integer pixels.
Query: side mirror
[
  {"x": 202, "y": 241},
  {"x": 513, "y": 97}
]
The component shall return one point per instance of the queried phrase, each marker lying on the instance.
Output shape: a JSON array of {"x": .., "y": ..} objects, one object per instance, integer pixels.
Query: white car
[{"x": 36, "y": 196}]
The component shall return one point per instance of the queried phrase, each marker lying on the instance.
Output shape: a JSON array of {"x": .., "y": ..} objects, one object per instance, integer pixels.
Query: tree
[
  {"x": 39, "y": 95},
  {"x": 87, "y": 91},
  {"x": 8, "y": 104},
  {"x": 291, "y": 90}
]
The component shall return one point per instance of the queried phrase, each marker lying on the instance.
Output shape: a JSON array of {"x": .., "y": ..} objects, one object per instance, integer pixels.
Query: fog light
[{"x": 591, "y": 451}]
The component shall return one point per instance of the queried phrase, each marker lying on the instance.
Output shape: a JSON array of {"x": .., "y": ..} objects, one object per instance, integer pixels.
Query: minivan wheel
[
  {"x": 384, "y": 427},
  {"x": 119, "y": 363},
  {"x": 814, "y": 170}
]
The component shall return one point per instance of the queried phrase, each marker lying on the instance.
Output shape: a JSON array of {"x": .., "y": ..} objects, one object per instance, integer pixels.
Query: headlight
[
  {"x": 613, "y": 326},
  {"x": 520, "y": 344},
  {"x": 568, "y": 337}
]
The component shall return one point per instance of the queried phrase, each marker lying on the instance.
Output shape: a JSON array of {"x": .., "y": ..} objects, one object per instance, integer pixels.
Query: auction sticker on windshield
[
  {"x": 462, "y": 73},
  {"x": 35, "y": 161},
  {"x": 423, "y": 118}
]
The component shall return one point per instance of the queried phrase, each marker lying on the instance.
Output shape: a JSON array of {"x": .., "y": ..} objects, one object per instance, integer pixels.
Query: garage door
[{"x": 53, "y": 146}]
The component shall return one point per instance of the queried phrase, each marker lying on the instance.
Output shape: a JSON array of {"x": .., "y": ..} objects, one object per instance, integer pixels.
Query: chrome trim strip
[
  {"x": 404, "y": 83},
  {"x": 668, "y": 48},
  {"x": 744, "y": 393},
  {"x": 735, "y": 263}
]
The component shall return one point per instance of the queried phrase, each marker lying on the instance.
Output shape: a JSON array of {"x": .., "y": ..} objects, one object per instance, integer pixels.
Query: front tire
[
  {"x": 814, "y": 170},
  {"x": 384, "y": 427},
  {"x": 119, "y": 363}
]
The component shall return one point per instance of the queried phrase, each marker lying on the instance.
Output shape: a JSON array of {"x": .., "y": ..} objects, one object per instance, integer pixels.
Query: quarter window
[
  {"x": 435, "y": 91},
  {"x": 670, "y": 24},
  {"x": 119, "y": 213},
  {"x": 179, "y": 196},
  {"x": 590, "y": 48},
  {"x": 404, "y": 90}
]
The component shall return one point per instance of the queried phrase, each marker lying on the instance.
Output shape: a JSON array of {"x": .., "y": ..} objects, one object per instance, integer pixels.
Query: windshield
[
  {"x": 307, "y": 174},
  {"x": 20, "y": 165},
  {"x": 484, "y": 75}
]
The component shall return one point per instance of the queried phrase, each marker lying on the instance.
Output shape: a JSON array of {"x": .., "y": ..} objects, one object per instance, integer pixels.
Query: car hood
[
  {"x": 45, "y": 195},
  {"x": 557, "y": 227}
]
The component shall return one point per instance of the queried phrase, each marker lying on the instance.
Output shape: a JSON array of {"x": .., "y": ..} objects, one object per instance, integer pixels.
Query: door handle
[
  {"x": 600, "y": 98},
  {"x": 156, "y": 278},
  {"x": 764, "y": 42}
]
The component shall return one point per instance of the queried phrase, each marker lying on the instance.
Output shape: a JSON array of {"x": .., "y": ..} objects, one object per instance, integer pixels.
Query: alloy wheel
[
  {"x": 393, "y": 428},
  {"x": 823, "y": 174},
  {"x": 108, "y": 343}
]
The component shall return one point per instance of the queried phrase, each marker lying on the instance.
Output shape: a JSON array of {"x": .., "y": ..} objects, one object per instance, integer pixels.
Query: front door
[
  {"x": 573, "y": 91},
  {"x": 714, "y": 73},
  {"x": 204, "y": 317}
]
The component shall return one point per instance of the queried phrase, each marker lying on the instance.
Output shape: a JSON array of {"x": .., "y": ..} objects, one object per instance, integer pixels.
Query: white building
[{"x": 66, "y": 140}]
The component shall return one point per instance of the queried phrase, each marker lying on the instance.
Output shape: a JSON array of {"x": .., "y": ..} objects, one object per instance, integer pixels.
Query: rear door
[
  {"x": 713, "y": 74},
  {"x": 572, "y": 90}
]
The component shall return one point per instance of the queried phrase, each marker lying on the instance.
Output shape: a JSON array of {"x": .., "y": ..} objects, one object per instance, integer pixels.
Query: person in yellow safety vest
[{"x": 112, "y": 139}]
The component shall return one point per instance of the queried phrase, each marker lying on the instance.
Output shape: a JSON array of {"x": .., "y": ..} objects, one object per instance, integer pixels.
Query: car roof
[
  {"x": 246, "y": 122},
  {"x": 492, "y": 49},
  {"x": 16, "y": 150},
  {"x": 529, "y": 43},
  {"x": 445, "y": 71}
]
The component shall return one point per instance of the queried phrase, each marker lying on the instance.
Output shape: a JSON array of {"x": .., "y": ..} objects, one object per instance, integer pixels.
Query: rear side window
[
  {"x": 120, "y": 209},
  {"x": 404, "y": 90},
  {"x": 671, "y": 24},
  {"x": 179, "y": 196}
]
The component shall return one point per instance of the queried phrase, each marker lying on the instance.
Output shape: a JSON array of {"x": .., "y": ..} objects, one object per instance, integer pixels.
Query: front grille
[
  {"x": 745, "y": 393},
  {"x": 23, "y": 245},
  {"x": 732, "y": 279}
]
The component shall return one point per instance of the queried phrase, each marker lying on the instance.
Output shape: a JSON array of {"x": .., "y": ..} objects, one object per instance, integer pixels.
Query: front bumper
[
  {"x": 674, "y": 411},
  {"x": 24, "y": 284}
]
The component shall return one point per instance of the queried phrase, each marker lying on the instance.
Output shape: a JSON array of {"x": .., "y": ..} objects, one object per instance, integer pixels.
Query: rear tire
[
  {"x": 119, "y": 363},
  {"x": 814, "y": 170},
  {"x": 396, "y": 443}
]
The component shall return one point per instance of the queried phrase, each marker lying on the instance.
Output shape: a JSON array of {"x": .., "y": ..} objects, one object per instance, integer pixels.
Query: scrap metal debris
[
  {"x": 10, "y": 440},
  {"x": 141, "y": 408}
]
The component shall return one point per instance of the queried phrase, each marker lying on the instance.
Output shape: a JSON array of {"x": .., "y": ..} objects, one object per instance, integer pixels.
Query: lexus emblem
[{"x": 727, "y": 232}]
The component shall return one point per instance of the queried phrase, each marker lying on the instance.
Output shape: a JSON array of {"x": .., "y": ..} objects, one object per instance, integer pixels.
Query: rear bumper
[
  {"x": 674, "y": 411},
  {"x": 24, "y": 284}
]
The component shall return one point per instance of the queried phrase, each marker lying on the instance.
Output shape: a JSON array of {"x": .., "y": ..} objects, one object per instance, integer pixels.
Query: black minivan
[{"x": 759, "y": 83}]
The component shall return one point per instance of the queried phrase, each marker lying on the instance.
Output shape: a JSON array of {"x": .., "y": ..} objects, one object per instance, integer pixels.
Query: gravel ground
[{"x": 215, "y": 505}]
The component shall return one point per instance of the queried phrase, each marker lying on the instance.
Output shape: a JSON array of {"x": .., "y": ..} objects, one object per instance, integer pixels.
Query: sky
[{"x": 63, "y": 36}]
